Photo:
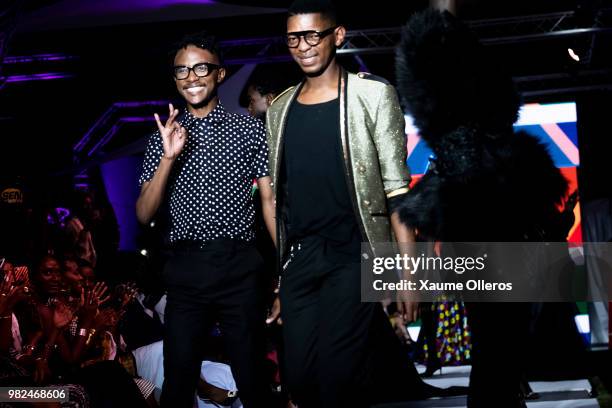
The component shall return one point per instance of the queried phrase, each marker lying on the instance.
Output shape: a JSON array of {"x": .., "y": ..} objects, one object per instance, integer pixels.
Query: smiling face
[
  {"x": 314, "y": 60},
  {"x": 198, "y": 91},
  {"x": 49, "y": 276},
  {"x": 72, "y": 275}
]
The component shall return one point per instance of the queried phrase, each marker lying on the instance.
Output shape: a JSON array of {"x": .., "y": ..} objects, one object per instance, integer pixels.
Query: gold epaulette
[{"x": 367, "y": 75}]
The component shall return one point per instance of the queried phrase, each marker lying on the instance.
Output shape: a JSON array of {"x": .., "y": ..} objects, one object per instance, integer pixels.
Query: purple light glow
[
  {"x": 136, "y": 119},
  {"x": 66, "y": 14},
  {"x": 152, "y": 4},
  {"x": 37, "y": 77},
  {"x": 139, "y": 104},
  {"x": 73, "y": 8},
  {"x": 24, "y": 59},
  {"x": 120, "y": 179}
]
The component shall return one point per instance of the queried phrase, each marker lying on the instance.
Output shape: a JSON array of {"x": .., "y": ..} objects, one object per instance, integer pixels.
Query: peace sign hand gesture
[{"x": 172, "y": 133}]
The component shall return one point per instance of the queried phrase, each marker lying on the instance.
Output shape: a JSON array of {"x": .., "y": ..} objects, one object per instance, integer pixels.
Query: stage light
[
  {"x": 573, "y": 54},
  {"x": 144, "y": 252},
  {"x": 582, "y": 323},
  {"x": 152, "y": 224}
]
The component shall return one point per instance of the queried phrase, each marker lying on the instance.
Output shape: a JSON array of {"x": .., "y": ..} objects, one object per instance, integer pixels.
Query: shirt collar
[{"x": 216, "y": 115}]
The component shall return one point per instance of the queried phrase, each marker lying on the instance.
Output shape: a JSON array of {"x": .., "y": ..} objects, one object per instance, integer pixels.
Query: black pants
[
  {"x": 499, "y": 334},
  {"x": 220, "y": 283},
  {"x": 339, "y": 352}
]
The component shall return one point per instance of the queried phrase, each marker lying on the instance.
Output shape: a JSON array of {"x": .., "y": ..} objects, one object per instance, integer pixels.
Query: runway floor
[{"x": 555, "y": 394}]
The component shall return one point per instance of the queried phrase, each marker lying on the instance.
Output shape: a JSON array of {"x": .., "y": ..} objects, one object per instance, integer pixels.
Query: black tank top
[{"x": 318, "y": 201}]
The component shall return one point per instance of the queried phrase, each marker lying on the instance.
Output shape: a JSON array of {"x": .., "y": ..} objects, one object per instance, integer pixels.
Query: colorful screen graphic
[{"x": 554, "y": 124}]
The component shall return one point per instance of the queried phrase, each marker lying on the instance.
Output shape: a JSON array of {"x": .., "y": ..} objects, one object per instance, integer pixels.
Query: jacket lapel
[{"x": 282, "y": 123}]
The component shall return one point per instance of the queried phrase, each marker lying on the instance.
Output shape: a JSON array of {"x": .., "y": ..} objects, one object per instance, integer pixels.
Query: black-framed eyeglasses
[
  {"x": 201, "y": 69},
  {"x": 311, "y": 37}
]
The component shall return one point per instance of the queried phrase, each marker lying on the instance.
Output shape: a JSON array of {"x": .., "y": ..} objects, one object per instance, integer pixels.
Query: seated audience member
[{"x": 216, "y": 386}]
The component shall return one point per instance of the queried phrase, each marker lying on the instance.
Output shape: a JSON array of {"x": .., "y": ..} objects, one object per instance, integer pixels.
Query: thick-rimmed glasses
[
  {"x": 201, "y": 70},
  {"x": 311, "y": 37}
]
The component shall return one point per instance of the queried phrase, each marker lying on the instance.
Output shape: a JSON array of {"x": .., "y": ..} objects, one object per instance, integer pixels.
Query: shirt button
[{"x": 367, "y": 203}]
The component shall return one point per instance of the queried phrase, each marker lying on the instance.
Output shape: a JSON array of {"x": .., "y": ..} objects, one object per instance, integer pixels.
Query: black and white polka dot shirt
[{"x": 209, "y": 189}]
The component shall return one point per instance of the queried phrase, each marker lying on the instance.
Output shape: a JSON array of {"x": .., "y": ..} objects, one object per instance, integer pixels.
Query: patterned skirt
[{"x": 451, "y": 332}]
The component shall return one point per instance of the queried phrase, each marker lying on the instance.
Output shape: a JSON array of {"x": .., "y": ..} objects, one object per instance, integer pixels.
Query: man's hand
[
  {"x": 268, "y": 204},
  {"x": 399, "y": 324},
  {"x": 173, "y": 135},
  {"x": 407, "y": 304},
  {"x": 407, "y": 307},
  {"x": 275, "y": 311}
]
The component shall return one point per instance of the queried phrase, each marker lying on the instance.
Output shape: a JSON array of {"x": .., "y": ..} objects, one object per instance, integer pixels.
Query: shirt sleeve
[
  {"x": 153, "y": 156},
  {"x": 260, "y": 164},
  {"x": 390, "y": 139}
]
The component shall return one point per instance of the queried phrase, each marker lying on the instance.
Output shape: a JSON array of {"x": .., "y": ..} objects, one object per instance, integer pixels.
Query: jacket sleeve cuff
[{"x": 397, "y": 192}]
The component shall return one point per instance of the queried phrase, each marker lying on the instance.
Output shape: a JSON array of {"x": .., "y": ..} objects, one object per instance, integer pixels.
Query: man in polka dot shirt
[{"x": 201, "y": 164}]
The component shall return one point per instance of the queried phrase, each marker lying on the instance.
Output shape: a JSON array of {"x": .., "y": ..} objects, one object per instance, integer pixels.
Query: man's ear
[
  {"x": 221, "y": 75},
  {"x": 340, "y": 32},
  {"x": 269, "y": 98}
]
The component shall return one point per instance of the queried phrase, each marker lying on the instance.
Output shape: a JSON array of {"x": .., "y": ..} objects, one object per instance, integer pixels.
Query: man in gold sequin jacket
[
  {"x": 373, "y": 138},
  {"x": 337, "y": 156}
]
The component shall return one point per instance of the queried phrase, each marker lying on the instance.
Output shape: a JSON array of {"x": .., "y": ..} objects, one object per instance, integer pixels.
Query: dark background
[{"x": 121, "y": 55}]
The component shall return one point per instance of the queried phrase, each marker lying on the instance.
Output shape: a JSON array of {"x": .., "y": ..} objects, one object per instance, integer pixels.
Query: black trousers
[
  {"x": 220, "y": 283},
  {"x": 339, "y": 352},
  {"x": 499, "y": 335}
]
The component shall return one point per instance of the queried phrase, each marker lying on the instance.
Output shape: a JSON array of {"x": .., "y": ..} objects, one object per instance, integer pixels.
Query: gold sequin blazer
[{"x": 372, "y": 130}]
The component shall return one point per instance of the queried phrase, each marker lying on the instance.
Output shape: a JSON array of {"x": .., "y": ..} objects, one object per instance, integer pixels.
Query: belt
[{"x": 195, "y": 245}]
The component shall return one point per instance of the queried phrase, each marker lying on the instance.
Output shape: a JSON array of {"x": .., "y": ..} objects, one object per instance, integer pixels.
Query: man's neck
[
  {"x": 322, "y": 87},
  {"x": 201, "y": 111}
]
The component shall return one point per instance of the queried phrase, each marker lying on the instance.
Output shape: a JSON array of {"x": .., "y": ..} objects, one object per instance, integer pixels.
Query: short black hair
[
  {"x": 323, "y": 7},
  {"x": 202, "y": 40}
]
